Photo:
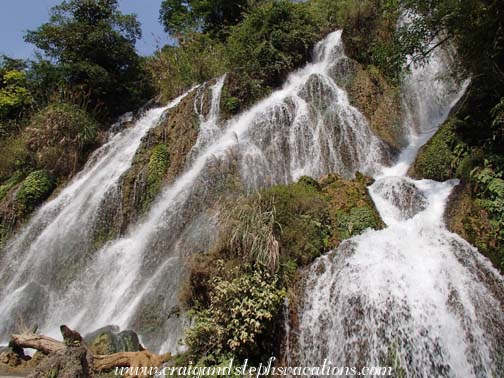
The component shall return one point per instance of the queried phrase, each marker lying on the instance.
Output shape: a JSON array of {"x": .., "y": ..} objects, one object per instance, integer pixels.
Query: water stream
[
  {"x": 413, "y": 295},
  {"x": 308, "y": 127}
]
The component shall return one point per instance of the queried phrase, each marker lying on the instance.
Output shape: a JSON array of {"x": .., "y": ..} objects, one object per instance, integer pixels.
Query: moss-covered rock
[
  {"x": 34, "y": 189},
  {"x": 109, "y": 340},
  {"x": 240, "y": 91},
  {"x": 350, "y": 207},
  {"x": 379, "y": 102},
  {"x": 160, "y": 158},
  {"x": 467, "y": 218},
  {"x": 21, "y": 195},
  {"x": 435, "y": 160},
  {"x": 156, "y": 170}
]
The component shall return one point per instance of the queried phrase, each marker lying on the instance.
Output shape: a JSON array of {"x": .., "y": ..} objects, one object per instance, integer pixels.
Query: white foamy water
[
  {"x": 308, "y": 127},
  {"x": 59, "y": 234},
  {"x": 414, "y": 295}
]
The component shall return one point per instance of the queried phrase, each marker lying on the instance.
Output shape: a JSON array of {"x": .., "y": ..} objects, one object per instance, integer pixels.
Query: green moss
[
  {"x": 351, "y": 209},
  {"x": 36, "y": 187},
  {"x": 357, "y": 220},
  {"x": 435, "y": 159},
  {"x": 156, "y": 170},
  {"x": 232, "y": 105},
  {"x": 302, "y": 219}
]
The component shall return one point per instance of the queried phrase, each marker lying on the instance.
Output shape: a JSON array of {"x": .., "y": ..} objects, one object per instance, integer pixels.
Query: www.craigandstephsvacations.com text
[{"x": 267, "y": 369}]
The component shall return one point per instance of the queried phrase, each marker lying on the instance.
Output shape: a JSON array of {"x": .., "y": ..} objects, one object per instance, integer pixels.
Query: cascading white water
[
  {"x": 306, "y": 128},
  {"x": 414, "y": 295},
  {"x": 59, "y": 234}
]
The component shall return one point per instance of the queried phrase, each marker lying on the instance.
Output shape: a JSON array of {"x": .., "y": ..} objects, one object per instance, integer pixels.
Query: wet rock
[
  {"x": 343, "y": 71},
  {"x": 318, "y": 92},
  {"x": 12, "y": 357},
  {"x": 109, "y": 340},
  {"x": 72, "y": 363},
  {"x": 404, "y": 195},
  {"x": 380, "y": 103}
]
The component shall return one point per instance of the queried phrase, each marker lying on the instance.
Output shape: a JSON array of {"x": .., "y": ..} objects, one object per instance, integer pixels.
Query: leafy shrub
[
  {"x": 490, "y": 190},
  {"x": 15, "y": 156},
  {"x": 240, "y": 313},
  {"x": 59, "y": 136},
  {"x": 175, "y": 69},
  {"x": 156, "y": 170},
  {"x": 14, "y": 94},
  {"x": 35, "y": 188},
  {"x": 273, "y": 39},
  {"x": 435, "y": 159}
]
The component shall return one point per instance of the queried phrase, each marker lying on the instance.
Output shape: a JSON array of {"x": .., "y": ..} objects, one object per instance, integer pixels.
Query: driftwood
[
  {"x": 99, "y": 363},
  {"x": 33, "y": 341},
  {"x": 128, "y": 359}
]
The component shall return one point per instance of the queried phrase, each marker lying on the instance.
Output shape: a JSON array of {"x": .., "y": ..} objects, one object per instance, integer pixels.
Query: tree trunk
[{"x": 48, "y": 345}]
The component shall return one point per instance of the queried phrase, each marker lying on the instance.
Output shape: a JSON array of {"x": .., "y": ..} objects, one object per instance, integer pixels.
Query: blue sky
[{"x": 17, "y": 16}]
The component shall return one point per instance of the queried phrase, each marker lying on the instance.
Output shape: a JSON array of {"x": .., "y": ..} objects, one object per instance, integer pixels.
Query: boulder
[{"x": 110, "y": 339}]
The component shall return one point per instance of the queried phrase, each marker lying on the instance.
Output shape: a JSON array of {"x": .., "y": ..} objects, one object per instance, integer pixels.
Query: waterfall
[
  {"x": 308, "y": 127},
  {"x": 59, "y": 235},
  {"x": 413, "y": 296}
]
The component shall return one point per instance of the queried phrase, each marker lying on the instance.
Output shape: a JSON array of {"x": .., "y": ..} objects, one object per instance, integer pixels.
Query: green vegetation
[
  {"x": 93, "y": 45},
  {"x": 437, "y": 160},
  {"x": 14, "y": 94},
  {"x": 35, "y": 188},
  {"x": 489, "y": 189},
  {"x": 235, "y": 291},
  {"x": 175, "y": 69},
  {"x": 470, "y": 145},
  {"x": 156, "y": 170},
  {"x": 181, "y": 17},
  {"x": 273, "y": 39},
  {"x": 58, "y": 136},
  {"x": 240, "y": 312}
]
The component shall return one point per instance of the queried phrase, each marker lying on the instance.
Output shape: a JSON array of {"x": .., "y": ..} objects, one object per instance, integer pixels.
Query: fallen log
[
  {"x": 128, "y": 359},
  {"x": 98, "y": 363},
  {"x": 39, "y": 342}
]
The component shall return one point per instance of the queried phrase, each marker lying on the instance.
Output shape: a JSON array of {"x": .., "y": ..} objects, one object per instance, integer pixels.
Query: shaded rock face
[
  {"x": 404, "y": 195},
  {"x": 369, "y": 92},
  {"x": 12, "y": 358},
  {"x": 350, "y": 207},
  {"x": 72, "y": 363},
  {"x": 175, "y": 135},
  {"x": 466, "y": 218},
  {"x": 109, "y": 340}
]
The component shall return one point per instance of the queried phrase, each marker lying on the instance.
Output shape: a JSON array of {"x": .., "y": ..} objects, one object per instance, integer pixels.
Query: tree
[
  {"x": 273, "y": 39},
  {"x": 14, "y": 94},
  {"x": 180, "y": 17},
  {"x": 476, "y": 29},
  {"x": 92, "y": 45}
]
